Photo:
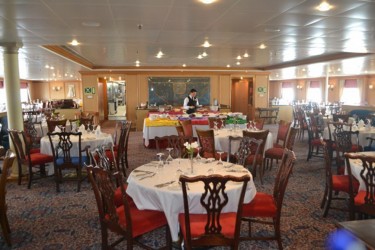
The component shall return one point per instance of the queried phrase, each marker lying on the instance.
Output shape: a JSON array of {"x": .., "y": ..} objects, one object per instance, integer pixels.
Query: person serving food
[{"x": 191, "y": 102}]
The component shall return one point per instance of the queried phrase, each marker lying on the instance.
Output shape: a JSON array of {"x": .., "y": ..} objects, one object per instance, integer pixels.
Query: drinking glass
[
  {"x": 161, "y": 163},
  {"x": 215, "y": 126},
  {"x": 255, "y": 125},
  {"x": 169, "y": 158},
  {"x": 220, "y": 162},
  {"x": 198, "y": 157}
]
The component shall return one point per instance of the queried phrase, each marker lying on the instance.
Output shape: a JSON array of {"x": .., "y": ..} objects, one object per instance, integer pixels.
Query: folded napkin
[
  {"x": 57, "y": 130},
  {"x": 361, "y": 123},
  {"x": 82, "y": 129},
  {"x": 98, "y": 130}
]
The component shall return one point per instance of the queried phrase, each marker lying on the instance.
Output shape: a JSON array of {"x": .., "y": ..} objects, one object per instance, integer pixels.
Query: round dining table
[{"x": 155, "y": 186}]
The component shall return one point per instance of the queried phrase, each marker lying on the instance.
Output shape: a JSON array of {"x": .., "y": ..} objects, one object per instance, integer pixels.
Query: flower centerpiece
[{"x": 190, "y": 150}]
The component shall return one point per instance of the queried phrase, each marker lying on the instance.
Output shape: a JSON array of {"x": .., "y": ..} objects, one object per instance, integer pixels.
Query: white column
[{"x": 12, "y": 90}]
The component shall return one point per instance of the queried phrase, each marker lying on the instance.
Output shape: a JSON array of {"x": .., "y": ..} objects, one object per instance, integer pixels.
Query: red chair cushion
[
  {"x": 274, "y": 153},
  {"x": 316, "y": 142},
  {"x": 258, "y": 160},
  {"x": 341, "y": 183},
  {"x": 118, "y": 196},
  {"x": 34, "y": 150},
  {"x": 359, "y": 199},
  {"x": 198, "y": 223},
  {"x": 109, "y": 155},
  {"x": 263, "y": 205},
  {"x": 143, "y": 221},
  {"x": 38, "y": 159},
  {"x": 276, "y": 145}
]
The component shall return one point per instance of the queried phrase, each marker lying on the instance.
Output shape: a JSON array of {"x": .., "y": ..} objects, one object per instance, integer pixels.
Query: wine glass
[
  {"x": 161, "y": 163},
  {"x": 169, "y": 158},
  {"x": 220, "y": 162},
  {"x": 215, "y": 126},
  {"x": 198, "y": 157},
  {"x": 255, "y": 125}
]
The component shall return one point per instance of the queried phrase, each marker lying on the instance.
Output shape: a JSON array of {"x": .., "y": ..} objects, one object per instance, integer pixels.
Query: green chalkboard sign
[{"x": 173, "y": 90}]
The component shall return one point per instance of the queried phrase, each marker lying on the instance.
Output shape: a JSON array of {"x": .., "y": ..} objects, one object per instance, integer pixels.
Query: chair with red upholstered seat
[
  {"x": 212, "y": 227},
  {"x": 282, "y": 134},
  {"x": 7, "y": 165},
  {"x": 259, "y": 135},
  {"x": 277, "y": 152},
  {"x": 125, "y": 220},
  {"x": 26, "y": 158},
  {"x": 259, "y": 123},
  {"x": 212, "y": 121},
  {"x": 247, "y": 147},
  {"x": 207, "y": 142},
  {"x": 267, "y": 206},
  {"x": 363, "y": 201},
  {"x": 344, "y": 144},
  {"x": 315, "y": 142},
  {"x": 187, "y": 127},
  {"x": 52, "y": 124},
  {"x": 334, "y": 184},
  {"x": 174, "y": 142}
]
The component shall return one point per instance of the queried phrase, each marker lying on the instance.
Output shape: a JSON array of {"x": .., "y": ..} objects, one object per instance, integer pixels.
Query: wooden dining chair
[
  {"x": 212, "y": 227},
  {"x": 87, "y": 121},
  {"x": 247, "y": 147},
  {"x": 363, "y": 201},
  {"x": 172, "y": 141},
  {"x": 51, "y": 125},
  {"x": 282, "y": 134},
  {"x": 7, "y": 164},
  {"x": 125, "y": 220},
  {"x": 28, "y": 159},
  {"x": 266, "y": 208},
  {"x": 66, "y": 159},
  {"x": 207, "y": 142},
  {"x": 334, "y": 184},
  {"x": 187, "y": 127},
  {"x": 259, "y": 135},
  {"x": 315, "y": 142}
]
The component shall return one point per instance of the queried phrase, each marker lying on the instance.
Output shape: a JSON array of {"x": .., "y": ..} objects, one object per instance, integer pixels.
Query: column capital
[{"x": 11, "y": 47}]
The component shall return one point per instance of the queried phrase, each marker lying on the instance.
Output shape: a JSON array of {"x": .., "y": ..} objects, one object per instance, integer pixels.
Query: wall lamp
[
  {"x": 331, "y": 87},
  {"x": 299, "y": 87},
  {"x": 56, "y": 88},
  {"x": 370, "y": 86}
]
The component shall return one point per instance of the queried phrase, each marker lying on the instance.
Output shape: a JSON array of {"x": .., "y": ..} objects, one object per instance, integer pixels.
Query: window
[
  {"x": 314, "y": 92},
  {"x": 24, "y": 92},
  {"x": 287, "y": 93},
  {"x": 350, "y": 92}
]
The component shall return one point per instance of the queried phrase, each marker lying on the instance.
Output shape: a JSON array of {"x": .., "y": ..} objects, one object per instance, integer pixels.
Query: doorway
[
  {"x": 242, "y": 99},
  {"x": 116, "y": 99}
]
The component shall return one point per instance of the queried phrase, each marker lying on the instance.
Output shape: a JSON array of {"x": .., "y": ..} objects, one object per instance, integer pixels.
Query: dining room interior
[{"x": 111, "y": 110}]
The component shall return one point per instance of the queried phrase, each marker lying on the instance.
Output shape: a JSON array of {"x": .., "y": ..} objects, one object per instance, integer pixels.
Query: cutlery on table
[
  {"x": 142, "y": 171},
  {"x": 164, "y": 184},
  {"x": 147, "y": 176}
]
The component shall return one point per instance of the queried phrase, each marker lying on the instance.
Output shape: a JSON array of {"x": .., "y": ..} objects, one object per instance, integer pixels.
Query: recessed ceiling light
[
  {"x": 74, "y": 42},
  {"x": 324, "y": 6},
  {"x": 245, "y": 55},
  {"x": 51, "y": 67},
  {"x": 239, "y": 57},
  {"x": 262, "y": 46},
  {"x": 207, "y": 1},
  {"x": 204, "y": 54},
  {"x": 199, "y": 56},
  {"x": 90, "y": 24},
  {"x": 228, "y": 65},
  {"x": 160, "y": 54},
  {"x": 47, "y": 66},
  {"x": 238, "y": 63},
  {"x": 137, "y": 62},
  {"x": 184, "y": 65},
  {"x": 206, "y": 44}
]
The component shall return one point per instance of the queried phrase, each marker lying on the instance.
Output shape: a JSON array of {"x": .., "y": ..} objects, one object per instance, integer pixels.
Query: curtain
[
  {"x": 341, "y": 88},
  {"x": 360, "y": 89}
]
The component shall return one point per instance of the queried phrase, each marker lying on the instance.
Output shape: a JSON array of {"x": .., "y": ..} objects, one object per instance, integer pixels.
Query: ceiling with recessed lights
[{"x": 274, "y": 35}]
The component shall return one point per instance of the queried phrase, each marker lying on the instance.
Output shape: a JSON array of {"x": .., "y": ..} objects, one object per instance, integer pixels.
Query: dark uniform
[{"x": 192, "y": 102}]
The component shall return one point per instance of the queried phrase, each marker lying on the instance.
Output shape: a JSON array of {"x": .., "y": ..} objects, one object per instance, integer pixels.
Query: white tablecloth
[
  {"x": 169, "y": 199},
  {"x": 222, "y": 140},
  {"x": 89, "y": 139},
  {"x": 149, "y": 133},
  {"x": 356, "y": 168}
]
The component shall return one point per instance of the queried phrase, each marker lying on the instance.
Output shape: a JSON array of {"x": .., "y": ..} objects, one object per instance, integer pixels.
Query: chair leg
[
  {"x": 30, "y": 176},
  {"x": 5, "y": 227},
  {"x": 276, "y": 224},
  {"x": 19, "y": 173},
  {"x": 327, "y": 203},
  {"x": 57, "y": 178},
  {"x": 324, "y": 197},
  {"x": 104, "y": 238},
  {"x": 261, "y": 172},
  {"x": 79, "y": 177}
]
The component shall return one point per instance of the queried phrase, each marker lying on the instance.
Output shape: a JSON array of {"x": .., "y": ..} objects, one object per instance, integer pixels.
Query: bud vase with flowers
[{"x": 190, "y": 147}]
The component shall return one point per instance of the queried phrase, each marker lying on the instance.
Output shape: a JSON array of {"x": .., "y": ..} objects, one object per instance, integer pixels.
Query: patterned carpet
[{"x": 40, "y": 218}]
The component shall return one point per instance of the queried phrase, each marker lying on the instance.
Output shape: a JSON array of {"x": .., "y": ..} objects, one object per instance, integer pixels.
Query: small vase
[{"x": 191, "y": 163}]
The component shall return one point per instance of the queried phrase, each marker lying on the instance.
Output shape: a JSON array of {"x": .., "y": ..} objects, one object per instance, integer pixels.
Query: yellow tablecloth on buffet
[{"x": 160, "y": 122}]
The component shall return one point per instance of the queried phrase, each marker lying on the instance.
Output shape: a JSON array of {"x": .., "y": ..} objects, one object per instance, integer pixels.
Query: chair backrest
[
  {"x": 104, "y": 190},
  {"x": 335, "y": 127},
  {"x": 248, "y": 146},
  {"x": 20, "y": 144},
  {"x": 207, "y": 142},
  {"x": 124, "y": 137},
  {"x": 327, "y": 165},
  {"x": 367, "y": 174},
  {"x": 7, "y": 164},
  {"x": 282, "y": 132},
  {"x": 32, "y": 133},
  {"x": 214, "y": 198},
  {"x": 282, "y": 178},
  {"x": 259, "y": 135},
  {"x": 187, "y": 127},
  {"x": 64, "y": 147},
  {"x": 291, "y": 138},
  {"x": 87, "y": 121},
  {"x": 51, "y": 124},
  {"x": 212, "y": 121},
  {"x": 259, "y": 123},
  {"x": 336, "y": 117},
  {"x": 173, "y": 141}
]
